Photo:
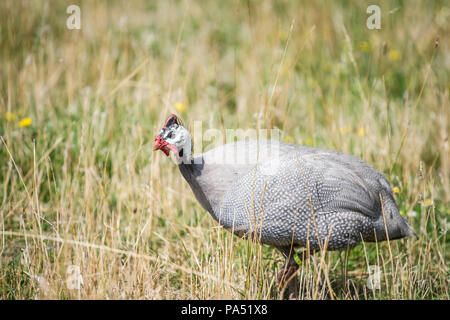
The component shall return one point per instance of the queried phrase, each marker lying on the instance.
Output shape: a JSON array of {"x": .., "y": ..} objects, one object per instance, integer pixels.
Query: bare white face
[
  {"x": 179, "y": 137},
  {"x": 176, "y": 138}
]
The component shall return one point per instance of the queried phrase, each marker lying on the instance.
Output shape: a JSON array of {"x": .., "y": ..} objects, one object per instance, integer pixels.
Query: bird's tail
[{"x": 397, "y": 226}]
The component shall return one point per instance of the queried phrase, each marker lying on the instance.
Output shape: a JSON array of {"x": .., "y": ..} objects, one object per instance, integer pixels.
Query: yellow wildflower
[
  {"x": 361, "y": 132},
  {"x": 427, "y": 202},
  {"x": 288, "y": 139},
  {"x": 396, "y": 190},
  {"x": 394, "y": 55},
  {"x": 364, "y": 46},
  {"x": 25, "y": 122},
  {"x": 10, "y": 116},
  {"x": 180, "y": 106}
]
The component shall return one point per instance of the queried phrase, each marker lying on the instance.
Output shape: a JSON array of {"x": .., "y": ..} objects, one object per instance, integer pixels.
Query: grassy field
[{"x": 81, "y": 189}]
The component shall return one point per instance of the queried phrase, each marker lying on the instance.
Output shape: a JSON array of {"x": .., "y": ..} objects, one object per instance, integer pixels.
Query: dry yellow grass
[{"x": 81, "y": 187}]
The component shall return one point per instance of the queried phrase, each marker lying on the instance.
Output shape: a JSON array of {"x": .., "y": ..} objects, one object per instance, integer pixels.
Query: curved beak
[
  {"x": 164, "y": 146},
  {"x": 158, "y": 143}
]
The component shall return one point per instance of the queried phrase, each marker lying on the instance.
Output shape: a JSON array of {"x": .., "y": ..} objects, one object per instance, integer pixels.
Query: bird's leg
[{"x": 288, "y": 276}]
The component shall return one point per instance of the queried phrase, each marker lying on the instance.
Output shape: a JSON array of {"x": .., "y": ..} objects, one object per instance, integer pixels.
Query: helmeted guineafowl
[{"x": 286, "y": 195}]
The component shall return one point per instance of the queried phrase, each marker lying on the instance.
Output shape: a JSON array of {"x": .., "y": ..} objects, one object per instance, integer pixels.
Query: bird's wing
[
  {"x": 342, "y": 183},
  {"x": 305, "y": 179},
  {"x": 293, "y": 176}
]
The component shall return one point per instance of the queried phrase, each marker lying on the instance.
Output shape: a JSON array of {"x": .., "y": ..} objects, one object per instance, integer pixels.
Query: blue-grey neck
[{"x": 190, "y": 172}]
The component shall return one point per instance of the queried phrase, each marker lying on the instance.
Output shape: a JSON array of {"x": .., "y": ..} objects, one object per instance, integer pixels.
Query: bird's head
[{"x": 173, "y": 136}]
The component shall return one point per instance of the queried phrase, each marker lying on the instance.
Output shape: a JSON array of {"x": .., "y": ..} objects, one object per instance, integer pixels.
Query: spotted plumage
[
  {"x": 286, "y": 195},
  {"x": 312, "y": 196}
]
